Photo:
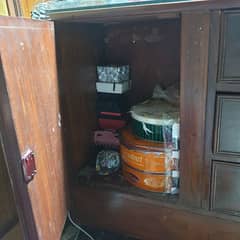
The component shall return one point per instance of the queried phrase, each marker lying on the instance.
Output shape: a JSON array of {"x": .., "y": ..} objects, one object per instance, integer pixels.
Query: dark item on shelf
[
  {"x": 108, "y": 139},
  {"x": 117, "y": 103},
  {"x": 111, "y": 120},
  {"x": 107, "y": 162}
]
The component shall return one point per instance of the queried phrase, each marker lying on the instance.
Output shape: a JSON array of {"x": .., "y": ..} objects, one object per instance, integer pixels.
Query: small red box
[{"x": 110, "y": 120}]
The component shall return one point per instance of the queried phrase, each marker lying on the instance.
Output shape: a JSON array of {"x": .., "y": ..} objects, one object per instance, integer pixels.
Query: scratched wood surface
[{"x": 29, "y": 67}]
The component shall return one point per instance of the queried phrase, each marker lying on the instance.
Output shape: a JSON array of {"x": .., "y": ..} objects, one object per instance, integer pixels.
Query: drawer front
[
  {"x": 227, "y": 136},
  {"x": 229, "y": 69},
  {"x": 225, "y": 188}
]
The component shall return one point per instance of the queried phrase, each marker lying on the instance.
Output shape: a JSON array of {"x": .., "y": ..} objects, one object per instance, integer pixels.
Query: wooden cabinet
[
  {"x": 225, "y": 188},
  {"x": 229, "y": 71},
  {"x": 227, "y": 139},
  {"x": 48, "y": 98},
  {"x": 223, "y": 150}
]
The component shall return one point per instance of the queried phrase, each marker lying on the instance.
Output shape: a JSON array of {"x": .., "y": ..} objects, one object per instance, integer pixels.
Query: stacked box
[
  {"x": 112, "y": 107},
  {"x": 150, "y": 148}
]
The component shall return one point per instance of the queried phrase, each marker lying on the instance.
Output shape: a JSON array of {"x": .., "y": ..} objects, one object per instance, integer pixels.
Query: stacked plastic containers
[
  {"x": 150, "y": 147},
  {"x": 113, "y": 87}
]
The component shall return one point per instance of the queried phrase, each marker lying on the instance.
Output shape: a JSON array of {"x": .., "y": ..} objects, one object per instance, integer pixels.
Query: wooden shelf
[
  {"x": 117, "y": 183},
  {"x": 116, "y": 206}
]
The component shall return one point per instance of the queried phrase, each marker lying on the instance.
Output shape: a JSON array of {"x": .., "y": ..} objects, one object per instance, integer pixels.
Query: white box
[{"x": 117, "y": 88}]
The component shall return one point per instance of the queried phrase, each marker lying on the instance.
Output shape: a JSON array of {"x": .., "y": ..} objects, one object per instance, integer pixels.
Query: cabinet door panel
[
  {"x": 230, "y": 48},
  {"x": 228, "y": 125},
  {"x": 29, "y": 77},
  {"x": 225, "y": 188}
]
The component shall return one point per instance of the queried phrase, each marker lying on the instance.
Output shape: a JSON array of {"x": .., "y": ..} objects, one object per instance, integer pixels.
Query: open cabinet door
[{"x": 30, "y": 120}]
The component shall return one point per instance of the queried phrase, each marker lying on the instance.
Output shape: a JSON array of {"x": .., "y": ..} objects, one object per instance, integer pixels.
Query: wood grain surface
[
  {"x": 78, "y": 53},
  {"x": 210, "y": 111},
  {"x": 148, "y": 219},
  {"x": 194, "y": 72},
  {"x": 29, "y": 65}
]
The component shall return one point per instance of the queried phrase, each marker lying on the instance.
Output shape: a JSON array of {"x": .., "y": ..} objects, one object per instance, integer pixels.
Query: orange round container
[
  {"x": 147, "y": 181},
  {"x": 144, "y": 155},
  {"x": 146, "y": 164}
]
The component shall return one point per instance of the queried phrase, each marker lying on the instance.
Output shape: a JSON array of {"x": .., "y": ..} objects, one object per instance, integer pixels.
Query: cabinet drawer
[
  {"x": 225, "y": 188},
  {"x": 227, "y": 128},
  {"x": 229, "y": 69}
]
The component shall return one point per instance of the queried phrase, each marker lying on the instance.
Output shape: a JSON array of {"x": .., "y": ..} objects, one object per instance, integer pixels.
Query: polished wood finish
[
  {"x": 215, "y": 19},
  {"x": 8, "y": 212},
  {"x": 30, "y": 117},
  {"x": 227, "y": 137},
  {"x": 152, "y": 49},
  {"x": 151, "y": 11},
  {"x": 116, "y": 182},
  {"x": 229, "y": 71},
  {"x": 225, "y": 188},
  {"x": 78, "y": 53},
  {"x": 148, "y": 219},
  {"x": 222, "y": 113},
  {"x": 30, "y": 78},
  {"x": 11, "y": 156},
  {"x": 194, "y": 70}
]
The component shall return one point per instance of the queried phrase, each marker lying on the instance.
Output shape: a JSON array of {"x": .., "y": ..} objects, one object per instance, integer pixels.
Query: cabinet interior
[
  {"x": 151, "y": 48},
  {"x": 193, "y": 45}
]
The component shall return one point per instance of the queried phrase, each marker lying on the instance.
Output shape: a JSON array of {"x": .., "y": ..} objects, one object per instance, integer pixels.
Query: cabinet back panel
[{"x": 151, "y": 48}]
